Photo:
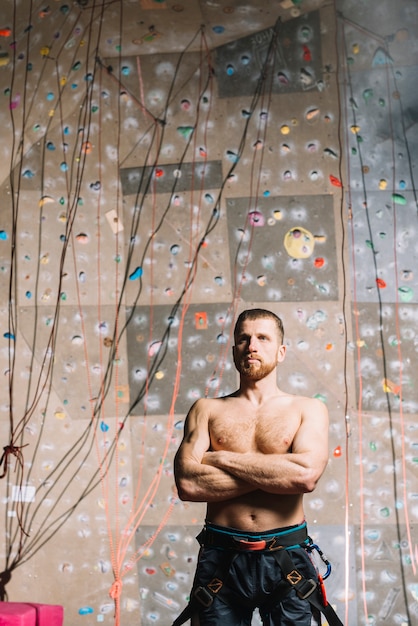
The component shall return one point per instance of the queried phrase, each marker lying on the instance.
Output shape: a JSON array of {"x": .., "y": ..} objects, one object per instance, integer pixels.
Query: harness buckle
[
  {"x": 303, "y": 595},
  {"x": 244, "y": 544},
  {"x": 203, "y": 596}
]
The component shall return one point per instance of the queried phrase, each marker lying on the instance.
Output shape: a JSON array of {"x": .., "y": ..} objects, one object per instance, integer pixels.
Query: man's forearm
[
  {"x": 273, "y": 473},
  {"x": 205, "y": 483}
]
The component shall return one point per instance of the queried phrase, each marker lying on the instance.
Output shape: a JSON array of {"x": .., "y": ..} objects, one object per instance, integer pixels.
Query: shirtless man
[{"x": 251, "y": 456}]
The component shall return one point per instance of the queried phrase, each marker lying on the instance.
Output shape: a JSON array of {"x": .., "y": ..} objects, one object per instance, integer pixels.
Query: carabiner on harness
[{"x": 313, "y": 546}]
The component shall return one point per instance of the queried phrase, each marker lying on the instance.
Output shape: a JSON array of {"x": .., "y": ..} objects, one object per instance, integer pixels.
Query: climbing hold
[
  {"x": 367, "y": 94},
  {"x": 232, "y": 156},
  {"x": 137, "y": 273},
  {"x": 82, "y": 238},
  {"x": 45, "y": 200},
  {"x": 312, "y": 114},
  {"x": 185, "y": 131},
  {"x": 381, "y": 57},
  {"x": 307, "y": 56},
  {"x": 335, "y": 181},
  {"x": 406, "y": 294},
  {"x": 330, "y": 153},
  {"x": 3, "y": 235},
  {"x": 383, "y": 184},
  {"x": 86, "y": 147},
  {"x": 337, "y": 451},
  {"x": 256, "y": 218},
  {"x": 284, "y": 129},
  {"x": 380, "y": 283},
  {"x": 399, "y": 199},
  {"x": 306, "y": 78},
  {"x": 299, "y": 243},
  {"x": 85, "y": 610},
  {"x": 154, "y": 348}
]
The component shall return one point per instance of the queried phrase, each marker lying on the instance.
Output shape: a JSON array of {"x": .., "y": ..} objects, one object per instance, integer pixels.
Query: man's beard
[{"x": 254, "y": 371}]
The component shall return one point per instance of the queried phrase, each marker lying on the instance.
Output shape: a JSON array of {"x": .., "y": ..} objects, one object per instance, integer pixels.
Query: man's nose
[{"x": 252, "y": 344}]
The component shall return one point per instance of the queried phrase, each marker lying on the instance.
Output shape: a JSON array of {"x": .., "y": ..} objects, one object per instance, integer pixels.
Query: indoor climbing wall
[{"x": 166, "y": 165}]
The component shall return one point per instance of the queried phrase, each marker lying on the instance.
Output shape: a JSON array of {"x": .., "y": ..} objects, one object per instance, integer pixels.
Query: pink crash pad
[
  {"x": 30, "y": 614},
  {"x": 17, "y": 614},
  {"x": 48, "y": 614}
]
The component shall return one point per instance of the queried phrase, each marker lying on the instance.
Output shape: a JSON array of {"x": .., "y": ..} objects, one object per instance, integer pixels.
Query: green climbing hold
[
  {"x": 399, "y": 199},
  {"x": 185, "y": 131},
  {"x": 406, "y": 294}
]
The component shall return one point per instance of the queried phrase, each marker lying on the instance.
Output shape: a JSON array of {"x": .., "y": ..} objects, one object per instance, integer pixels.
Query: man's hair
[{"x": 255, "y": 314}]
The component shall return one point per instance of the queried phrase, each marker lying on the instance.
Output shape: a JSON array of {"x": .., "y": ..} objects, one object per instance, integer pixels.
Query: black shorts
[{"x": 252, "y": 577}]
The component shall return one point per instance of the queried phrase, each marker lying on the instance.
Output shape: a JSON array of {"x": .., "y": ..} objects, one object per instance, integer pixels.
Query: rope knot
[{"x": 116, "y": 589}]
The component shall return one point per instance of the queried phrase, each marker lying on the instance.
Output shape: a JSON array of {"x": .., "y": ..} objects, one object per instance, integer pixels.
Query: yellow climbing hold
[
  {"x": 299, "y": 243},
  {"x": 383, "y": 184},
  {"x": 45, "y": 50},
  {"x": 285, "y": 130},
  {"x": 355, "y": 129},
  {"x": 45, "y": 200}
]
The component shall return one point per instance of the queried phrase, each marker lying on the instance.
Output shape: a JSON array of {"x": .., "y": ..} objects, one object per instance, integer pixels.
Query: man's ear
[{"x": 281, "y": 354}]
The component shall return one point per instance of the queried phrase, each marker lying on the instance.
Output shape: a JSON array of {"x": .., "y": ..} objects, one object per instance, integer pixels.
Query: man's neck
[{"x": 259, "y": 391}]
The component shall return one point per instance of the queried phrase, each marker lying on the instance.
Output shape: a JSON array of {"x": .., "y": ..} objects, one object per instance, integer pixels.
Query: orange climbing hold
[{"x": 335, "y": 181}]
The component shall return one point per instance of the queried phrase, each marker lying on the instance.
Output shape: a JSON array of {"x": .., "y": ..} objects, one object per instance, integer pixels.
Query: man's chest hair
[{"x": 269, "y": 432}]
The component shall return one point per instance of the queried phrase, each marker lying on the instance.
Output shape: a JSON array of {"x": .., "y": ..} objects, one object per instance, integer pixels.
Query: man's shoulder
[{"x": 205, "y": 404}]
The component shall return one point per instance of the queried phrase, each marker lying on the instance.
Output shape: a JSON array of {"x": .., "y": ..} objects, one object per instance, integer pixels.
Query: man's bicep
[
  {"x": 196, "y": 440},
  {"x": 312, "y": 437}
]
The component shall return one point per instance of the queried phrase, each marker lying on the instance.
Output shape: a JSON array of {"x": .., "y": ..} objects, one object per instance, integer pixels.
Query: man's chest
[{"x": 241, "y": 431}]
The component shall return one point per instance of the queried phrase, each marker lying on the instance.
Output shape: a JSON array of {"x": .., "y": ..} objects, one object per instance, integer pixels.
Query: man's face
[{"x": 257, "y": 348}]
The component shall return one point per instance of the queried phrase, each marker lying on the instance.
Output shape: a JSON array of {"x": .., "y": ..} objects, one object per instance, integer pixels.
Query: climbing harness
[{"x": 278, "y": 544}]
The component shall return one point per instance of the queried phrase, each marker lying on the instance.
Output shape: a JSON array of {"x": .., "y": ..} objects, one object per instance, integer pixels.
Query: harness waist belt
[{"x": 244, "y": 543}]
